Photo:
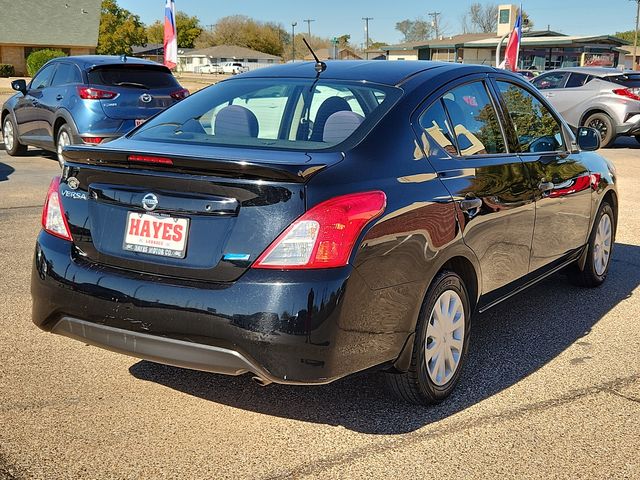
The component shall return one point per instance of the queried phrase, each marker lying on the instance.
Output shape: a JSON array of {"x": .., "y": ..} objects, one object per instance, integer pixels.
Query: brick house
[{"x": 67, "y": 25}]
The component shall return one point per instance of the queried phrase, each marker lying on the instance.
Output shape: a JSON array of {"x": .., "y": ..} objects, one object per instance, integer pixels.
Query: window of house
[
  {"x": 474, "y": 120},
  {"x": 537, "y": 129}
]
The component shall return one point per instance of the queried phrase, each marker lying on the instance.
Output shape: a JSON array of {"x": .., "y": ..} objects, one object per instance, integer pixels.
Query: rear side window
[
  {"x": 628, "y": 80},
  {"x": 67, "y": 74},
  {"x": 536, "y": 128},
  {"x": 550, "y": 80},
  {"x": 132, "y": 76},
  {"x": 474, "y": 120},
  {"x": 274, "y": 113},
  {"x": 578, "y": 80},
  {"x": 435, "y": 125}
]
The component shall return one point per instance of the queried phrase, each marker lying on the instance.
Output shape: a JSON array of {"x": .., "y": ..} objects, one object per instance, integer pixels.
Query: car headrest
[
  {"x": 236, "y": 121},
  {"x": 327, "y": 108},
  {"x": 340, "y": 126}
]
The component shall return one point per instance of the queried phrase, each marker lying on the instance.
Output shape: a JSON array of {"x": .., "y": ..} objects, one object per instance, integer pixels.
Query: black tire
[
  {"x": 637, "y": 138},
  {"x": 603, "y": 123},
  {"x": 416, "y": 386},
  {"x": 17, "y": 149},
  {"x": 63, "y": 131},
  {"x": 589, "y": 276}
]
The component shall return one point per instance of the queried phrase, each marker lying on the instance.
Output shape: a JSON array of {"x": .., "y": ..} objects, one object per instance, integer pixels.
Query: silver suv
[{"x": 602, "y": 98}]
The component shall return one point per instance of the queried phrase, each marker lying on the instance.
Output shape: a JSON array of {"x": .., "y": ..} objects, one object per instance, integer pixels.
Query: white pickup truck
[{"x": 234, "y": 68}]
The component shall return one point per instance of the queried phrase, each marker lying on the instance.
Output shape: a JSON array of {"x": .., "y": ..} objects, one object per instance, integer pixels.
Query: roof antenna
[{"x": 320, "y": 66}]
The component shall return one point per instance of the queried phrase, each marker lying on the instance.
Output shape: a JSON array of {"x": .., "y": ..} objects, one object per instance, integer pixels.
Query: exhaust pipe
[{"x": 263, "y": 382}]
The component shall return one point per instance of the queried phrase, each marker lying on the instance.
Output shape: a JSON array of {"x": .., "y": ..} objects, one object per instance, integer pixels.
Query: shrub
[
  {"x": 7, "y": 70},
  {"x": 37, "y": 59}
]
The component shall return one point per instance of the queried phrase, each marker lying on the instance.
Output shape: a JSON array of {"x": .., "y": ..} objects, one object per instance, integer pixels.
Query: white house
[{"x": 191, "y": 60}]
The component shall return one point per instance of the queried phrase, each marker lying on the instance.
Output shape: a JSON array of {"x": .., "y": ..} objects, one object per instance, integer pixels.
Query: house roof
[
  {"x": 230, "y": 51},
  {"x": 62, "y": 23},
  {"x": 553, "y": 40},
  {"x": 149, "y": 47},
  {"x": 456, "y": 40},
  {"x": 323, "y": 54}
]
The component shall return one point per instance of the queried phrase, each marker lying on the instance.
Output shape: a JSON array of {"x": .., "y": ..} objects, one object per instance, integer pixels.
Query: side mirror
[
  {"x": 19, "y": 86},
  {"x": 588, "y": 139}
]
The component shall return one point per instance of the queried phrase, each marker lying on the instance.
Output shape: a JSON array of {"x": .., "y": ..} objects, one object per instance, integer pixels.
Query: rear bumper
[
  {"x": 298, "y": 327},
  {"x": 630, "y": 127}
]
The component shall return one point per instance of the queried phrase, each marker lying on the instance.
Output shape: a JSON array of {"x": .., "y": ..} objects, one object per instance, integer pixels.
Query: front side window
[
  {"x": 550, "y": 80},
  {"x": 43, "y": 77},
  {"x": 536, "y": 128},
  {"x": 273, "y": 113},
  {"x": 474, "y": 120}
]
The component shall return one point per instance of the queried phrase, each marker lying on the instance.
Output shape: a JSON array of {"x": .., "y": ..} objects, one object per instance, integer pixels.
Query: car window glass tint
[
  {"x": 474, "y": 120},
  {"x": 435, "y": 124},
  {"x": 43, "y": 78},
  {"x": 66, "y": 74},
  {"x": 536, "y": 128},
  {"x": 550, "y": 80},
  {"x": 132, "y": 77},
  {"x": 577, "y": 80},
  {"x": 628, "y": 80}
]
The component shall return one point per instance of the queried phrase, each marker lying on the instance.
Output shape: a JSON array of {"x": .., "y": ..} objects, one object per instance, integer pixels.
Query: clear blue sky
[{"x": 337, "y": 17}]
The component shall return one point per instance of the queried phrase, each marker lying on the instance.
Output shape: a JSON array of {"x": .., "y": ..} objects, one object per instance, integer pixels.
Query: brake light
[
  {"x": 180, "y": 94},
  {"x": 53, "y": 217},
  {"x": 632, "y": 93},
  {"x": 90, "y": 93},
  {"x": 325, "y": 235},
  {"x": 92, "y": 140},
  {"x": 150, "y": 159}
]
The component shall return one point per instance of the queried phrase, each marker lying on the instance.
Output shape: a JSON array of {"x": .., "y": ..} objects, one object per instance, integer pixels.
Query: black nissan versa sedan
[{"x": 303, "y": 223}]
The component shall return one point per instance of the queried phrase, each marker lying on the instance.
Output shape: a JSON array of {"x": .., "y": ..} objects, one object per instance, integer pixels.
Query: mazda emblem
[
  {"x": 146, "y": 98},
  {"x": 149, "y": 202}
]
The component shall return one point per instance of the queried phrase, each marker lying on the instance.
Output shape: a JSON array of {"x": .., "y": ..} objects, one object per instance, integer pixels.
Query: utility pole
[
  {"x": 293, "y": 41},
  {"x": 308, "y": 22},
  {"x": 634, "y": 63},
  {"x": 435, "y": 16},
  {"x": 366, "y": 35}
]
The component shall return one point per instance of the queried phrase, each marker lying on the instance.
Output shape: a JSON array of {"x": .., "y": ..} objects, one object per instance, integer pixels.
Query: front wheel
[
  {"x": 12, "y": 144},
  {"x": 440, "y": 346},
  {"x": 604, "y": 125},
  {"x": 599, "y": 250},
  {"x": 64, "y": 139}
]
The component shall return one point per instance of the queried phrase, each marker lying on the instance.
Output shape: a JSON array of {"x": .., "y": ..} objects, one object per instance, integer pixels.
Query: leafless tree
[{"x": 483, "y": 18}]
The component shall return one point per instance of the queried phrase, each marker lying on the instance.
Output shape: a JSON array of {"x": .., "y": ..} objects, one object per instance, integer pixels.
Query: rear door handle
[
  {"x": 546, "y": 186},
  {"x": 470, "y": 204},
  {"x": 59, "y": 97}
]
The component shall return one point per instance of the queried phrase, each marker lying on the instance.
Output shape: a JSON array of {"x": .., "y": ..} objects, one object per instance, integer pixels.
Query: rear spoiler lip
[{"x": 250, "y": 169}]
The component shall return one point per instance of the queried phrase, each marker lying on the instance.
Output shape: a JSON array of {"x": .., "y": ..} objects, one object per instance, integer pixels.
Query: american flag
[{"x": 170, "y": 35}]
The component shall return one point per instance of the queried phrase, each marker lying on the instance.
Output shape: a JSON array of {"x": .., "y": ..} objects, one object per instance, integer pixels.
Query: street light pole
[
  {"x": 308, "y": 22},
  {"x": 366, "y": 32},
  {"x": 293, "y": 41}
]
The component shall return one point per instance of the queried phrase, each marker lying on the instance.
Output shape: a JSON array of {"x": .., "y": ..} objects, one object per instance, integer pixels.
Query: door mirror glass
[
  {"x": 19, "y": 86},
  {"x": 588, "y": 139}
]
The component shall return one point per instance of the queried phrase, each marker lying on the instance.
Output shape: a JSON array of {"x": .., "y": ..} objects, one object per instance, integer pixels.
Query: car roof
[
  {"x": 375, "y": 71},
  {"x": 90, "y": 61},
  {"x": 595, "y": 71}
]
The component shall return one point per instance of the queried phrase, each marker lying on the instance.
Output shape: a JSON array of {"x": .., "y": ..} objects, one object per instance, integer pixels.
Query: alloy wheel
[
  {"x": 602, "y": 245},
  {"x": 445, "y": 338},
  {"x": 600, "y": 126},
  {"x": 7, "y": 135}
]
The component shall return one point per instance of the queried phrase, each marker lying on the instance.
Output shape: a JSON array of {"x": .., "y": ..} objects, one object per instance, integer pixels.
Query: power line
[
  {"x": 308, "y": 22},
  {"x": 435, "y": 16},
  {"x": 366, "y": 33}
]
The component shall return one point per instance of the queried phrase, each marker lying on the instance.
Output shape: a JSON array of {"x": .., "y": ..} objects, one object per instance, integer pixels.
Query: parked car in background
[
  {"x": 303, "y": 226},
  {"x": 602, "y": 98},
  {"x": 234, "y": 68},
  {"x": 528, "y": 74},
  {"x": 85, "y": 99},
  {"x": 211, "y": 68}
]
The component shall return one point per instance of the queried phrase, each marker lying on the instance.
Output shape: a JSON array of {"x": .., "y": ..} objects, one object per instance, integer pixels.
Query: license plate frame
[{"x": 149, "y": 235}]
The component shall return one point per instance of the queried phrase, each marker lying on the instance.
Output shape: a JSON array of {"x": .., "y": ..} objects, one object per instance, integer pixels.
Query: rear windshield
[
  {"x": 132, "y": 76},
  {"x": 276, "y": 113},
  {"x": 629, "y": 80}
]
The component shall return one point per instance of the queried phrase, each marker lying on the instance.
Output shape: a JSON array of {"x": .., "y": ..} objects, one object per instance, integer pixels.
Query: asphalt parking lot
[{"x": 552, "y": 388}]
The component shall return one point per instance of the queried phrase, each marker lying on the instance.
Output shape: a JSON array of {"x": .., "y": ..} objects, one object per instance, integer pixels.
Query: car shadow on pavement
[
  {"x": 5, "y": 171},
  {"x": 509, "y": 342},
  {"x": 625, "y": 142}
]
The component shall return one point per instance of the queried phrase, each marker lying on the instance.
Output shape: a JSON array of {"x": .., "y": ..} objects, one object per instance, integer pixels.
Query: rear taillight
[
  {"x": 92, "y": 140},
  {"x": 632, "y": 93},
  {"x": 324, "y": 236},
  {"x": 180, "y": 94},
  {"x": 90, "y": 93},
  {"x": 53, "y": 218},
  {"x": 150, "y": 159}
]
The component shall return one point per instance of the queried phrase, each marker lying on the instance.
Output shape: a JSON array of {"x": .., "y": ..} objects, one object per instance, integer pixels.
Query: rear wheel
[
  {"x": 440, "y": 346},
  {"x": 604, "y": 125},
  {"x": 599, "y": 250},
  {"x": 12, "y": 144},
  {"x": 64, "y": 139}
]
